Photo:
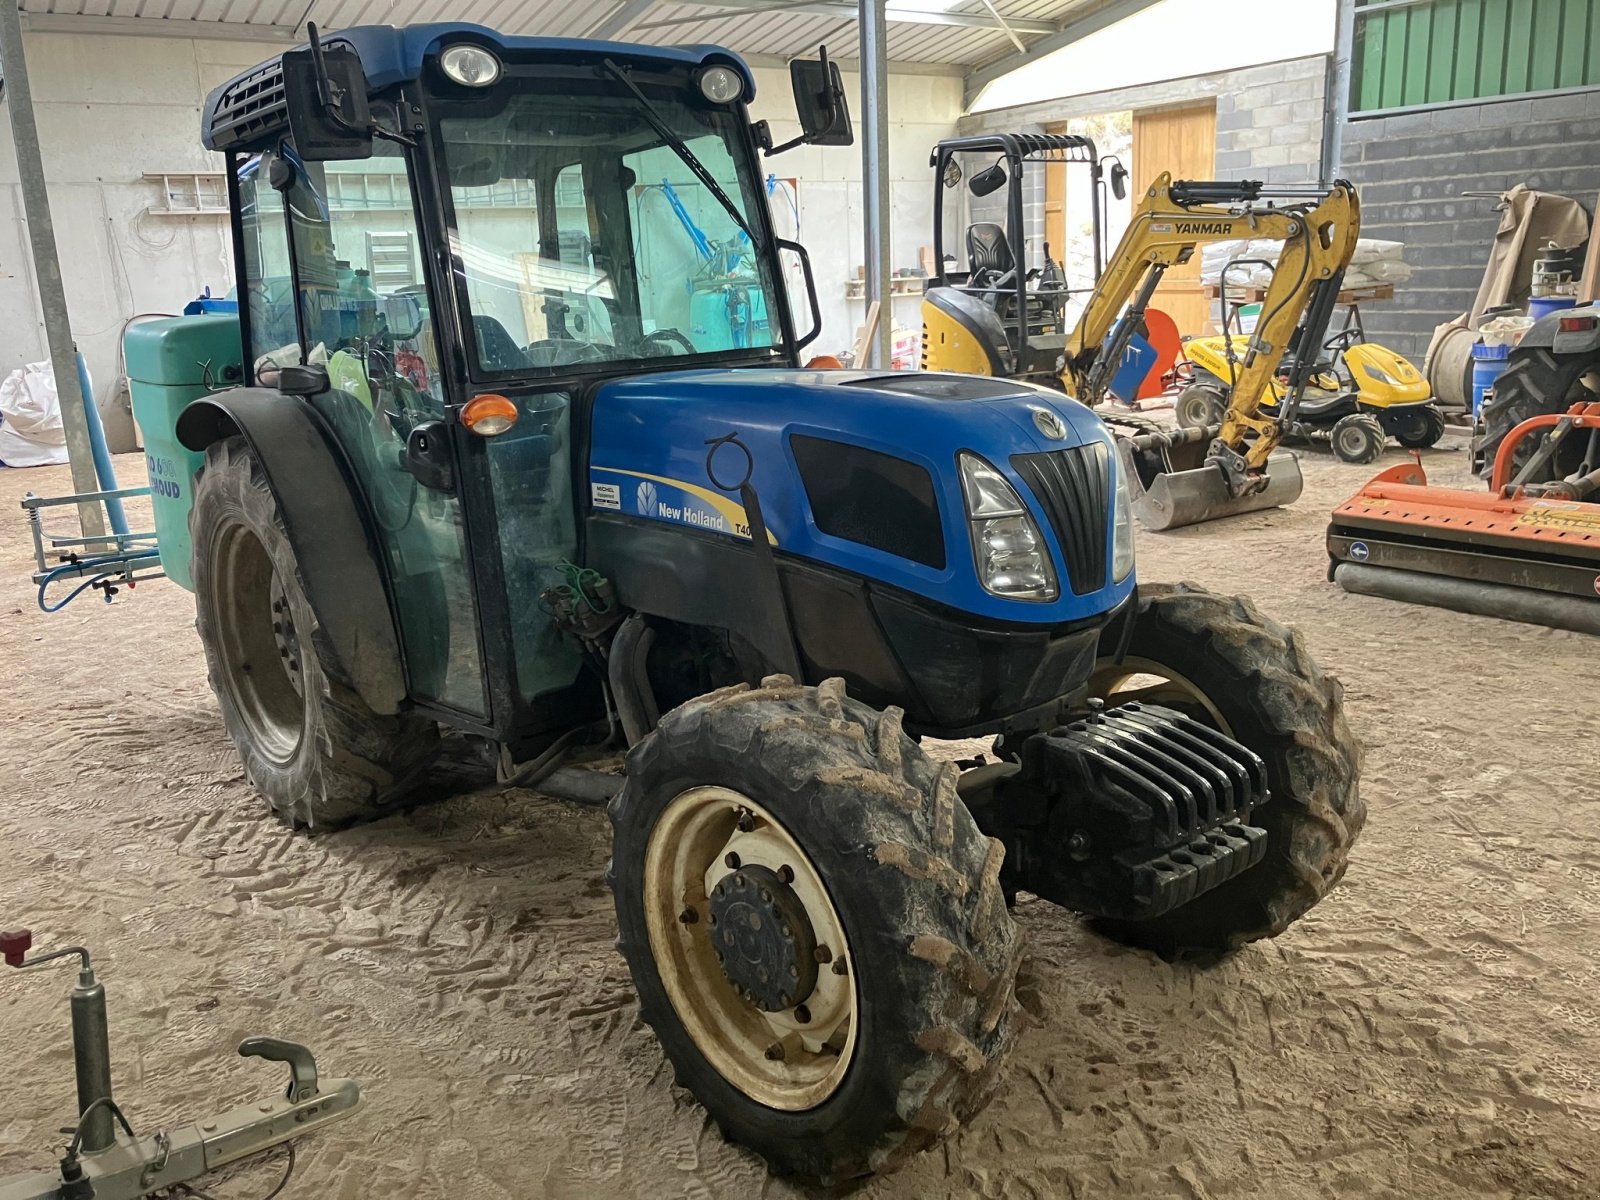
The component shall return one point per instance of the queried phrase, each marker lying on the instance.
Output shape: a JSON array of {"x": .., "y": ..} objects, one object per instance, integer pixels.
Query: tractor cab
[{"x": 447, "y": 240}]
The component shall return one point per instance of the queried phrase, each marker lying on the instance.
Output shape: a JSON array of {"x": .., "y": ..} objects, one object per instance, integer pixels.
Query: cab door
[{"x": 365, "y": 313}]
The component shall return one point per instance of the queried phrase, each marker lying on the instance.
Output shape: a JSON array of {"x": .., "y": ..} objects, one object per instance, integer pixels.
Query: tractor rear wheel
[
  {"x": 1536, "y": 382},
  {"x": 310, "y": 746},
  {"x": 815, "y": 926},
  {"x": 1220, "y": 661}
]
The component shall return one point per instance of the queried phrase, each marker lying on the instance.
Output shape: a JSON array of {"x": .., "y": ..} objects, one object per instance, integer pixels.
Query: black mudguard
[{"x": 328, "y": 526}]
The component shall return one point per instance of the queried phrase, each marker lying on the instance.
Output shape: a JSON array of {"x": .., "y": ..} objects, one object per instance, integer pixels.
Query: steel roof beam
[
  {"x": 1058, "y": 39},
  {"x": 897, "y": 13}
]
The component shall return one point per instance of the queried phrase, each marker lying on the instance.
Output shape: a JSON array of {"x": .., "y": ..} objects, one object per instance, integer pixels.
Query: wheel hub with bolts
[
  {"x": 732, "y": 897},
  {"x": 284, "y": 634},
  {"x": 762, "y": 937}
]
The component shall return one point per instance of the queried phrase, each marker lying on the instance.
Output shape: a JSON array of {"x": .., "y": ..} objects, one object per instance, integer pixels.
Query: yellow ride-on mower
[{"x": 1361, "y": 395}]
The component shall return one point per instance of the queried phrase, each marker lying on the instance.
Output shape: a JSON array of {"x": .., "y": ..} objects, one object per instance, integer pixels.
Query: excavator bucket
[
  {"x": 1173, "y": 485},
  {"x": 1519, "y": 558}
]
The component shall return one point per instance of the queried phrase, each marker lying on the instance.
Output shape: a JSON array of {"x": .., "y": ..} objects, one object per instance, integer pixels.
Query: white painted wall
[
  {"x": 113, "y": 108},
  {"x": 110, "y": 109},
  {"x": 922, "y": 110}
]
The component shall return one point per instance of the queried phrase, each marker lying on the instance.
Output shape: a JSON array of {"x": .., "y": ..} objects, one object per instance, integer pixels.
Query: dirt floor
[{"x": 1431, "y": 1030}]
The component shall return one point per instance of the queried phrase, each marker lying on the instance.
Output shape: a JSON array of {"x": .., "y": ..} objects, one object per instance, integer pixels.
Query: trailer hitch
[{"x": 100, "y": 1164}]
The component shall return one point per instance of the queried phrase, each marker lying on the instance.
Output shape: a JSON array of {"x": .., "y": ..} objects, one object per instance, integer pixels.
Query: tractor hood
[{"x": 857, "y": 470}]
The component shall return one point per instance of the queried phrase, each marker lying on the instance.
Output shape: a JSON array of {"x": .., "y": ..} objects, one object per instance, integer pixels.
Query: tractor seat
[
  {"x": 988, "y": 253},
  {"x": 497, "y": 349}
]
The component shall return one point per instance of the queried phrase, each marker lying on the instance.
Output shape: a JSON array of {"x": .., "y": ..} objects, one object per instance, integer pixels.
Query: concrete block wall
[
  {"x": 1269, "y": 122},
  {"x": 1411, "y": 170}
]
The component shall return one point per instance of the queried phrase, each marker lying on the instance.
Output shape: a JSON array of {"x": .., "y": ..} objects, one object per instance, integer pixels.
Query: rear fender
[{"x": 328, "y": 527}]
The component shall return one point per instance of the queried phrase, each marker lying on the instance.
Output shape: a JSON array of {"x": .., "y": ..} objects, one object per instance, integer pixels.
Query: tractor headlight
[
  {"x": 1122, "y": 529},
  {"x": 469, "y": 65},
  {"x": 721, "y": 85},
  {"x": 1010, "y": 555},
  {"x": 1379, "y": 374}
]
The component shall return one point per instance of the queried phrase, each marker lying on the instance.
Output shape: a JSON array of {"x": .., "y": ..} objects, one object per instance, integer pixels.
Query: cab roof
[{"x": 249, "y": 108}]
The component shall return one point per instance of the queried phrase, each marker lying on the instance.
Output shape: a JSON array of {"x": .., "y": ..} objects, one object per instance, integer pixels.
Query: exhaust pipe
[
  {"x": 1469, "y": 596},
  {"x": 1173, "y": 485}
]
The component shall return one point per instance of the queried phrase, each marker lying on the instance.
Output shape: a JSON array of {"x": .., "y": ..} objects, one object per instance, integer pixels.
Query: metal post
[
  {"x": 1336, "y": 92},
  {"x": 47, "y": 267},
  {"x": 875, "y": 172},
  {"x": 91, "y": 1055}
]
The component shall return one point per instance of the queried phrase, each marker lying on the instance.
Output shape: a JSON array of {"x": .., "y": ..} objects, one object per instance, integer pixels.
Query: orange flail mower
[{"x": 1526, "y": 549}]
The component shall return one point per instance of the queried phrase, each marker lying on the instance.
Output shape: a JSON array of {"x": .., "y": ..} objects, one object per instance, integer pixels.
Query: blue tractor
[{"x": 478, "y": 475}]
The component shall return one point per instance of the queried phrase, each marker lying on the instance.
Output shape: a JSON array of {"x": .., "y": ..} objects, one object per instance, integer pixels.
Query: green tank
[{"x": 171, "y": 362}]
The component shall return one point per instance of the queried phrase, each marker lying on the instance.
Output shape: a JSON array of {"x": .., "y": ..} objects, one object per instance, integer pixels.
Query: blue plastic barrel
[
  {"x": 1543, "y": 306},
  {"x": 1488, "y": 362}
]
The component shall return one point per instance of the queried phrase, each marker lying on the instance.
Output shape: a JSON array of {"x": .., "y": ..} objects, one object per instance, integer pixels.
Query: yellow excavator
[{"x": 1008, "y": 321}]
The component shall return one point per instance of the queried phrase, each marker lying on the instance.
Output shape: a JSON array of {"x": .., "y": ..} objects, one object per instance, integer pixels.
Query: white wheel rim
[
  {"x": 684, "y": 859},
  {"x": 1119, "y": 683}
]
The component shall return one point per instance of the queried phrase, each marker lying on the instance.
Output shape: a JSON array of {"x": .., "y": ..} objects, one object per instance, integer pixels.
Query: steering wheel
[
  {"x": 658, "y": 343},
  {"x": 1343, "y": 340},
  {"x": 561, "y": 352}
]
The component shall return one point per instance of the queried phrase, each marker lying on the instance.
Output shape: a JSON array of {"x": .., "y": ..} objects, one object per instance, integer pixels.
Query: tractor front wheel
[
  {"x": 815, "y": 926},
  {"x": 1220, "y": 661},
  {"x": 310, "y": 746}
]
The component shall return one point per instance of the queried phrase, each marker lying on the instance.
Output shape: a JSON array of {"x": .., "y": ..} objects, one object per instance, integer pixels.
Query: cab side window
[{"x": 268, "y": 288}]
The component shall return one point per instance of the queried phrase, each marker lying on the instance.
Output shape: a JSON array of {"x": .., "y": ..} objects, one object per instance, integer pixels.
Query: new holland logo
[
  {"x": 645, "y": 499},
  {"x": 1047, "y": 423},
  {"x": 1204, "y": 227}
]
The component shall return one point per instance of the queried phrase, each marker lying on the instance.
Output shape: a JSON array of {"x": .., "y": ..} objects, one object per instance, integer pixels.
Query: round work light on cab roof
[
  {"x": 469, "y": 65},
  {"x": 721, "y": 85}
]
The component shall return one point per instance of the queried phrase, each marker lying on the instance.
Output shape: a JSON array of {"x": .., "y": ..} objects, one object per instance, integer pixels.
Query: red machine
[{"x": 1528, "y": 549}]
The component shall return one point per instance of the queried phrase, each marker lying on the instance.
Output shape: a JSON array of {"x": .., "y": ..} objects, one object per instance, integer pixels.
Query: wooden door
[
  {"x": 1182, "y": 141},
  {"x": 1055, "y": 206}
]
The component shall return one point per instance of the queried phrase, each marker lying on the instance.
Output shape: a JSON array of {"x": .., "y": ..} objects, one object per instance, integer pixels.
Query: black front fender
[{"x": 328, "y": 526}]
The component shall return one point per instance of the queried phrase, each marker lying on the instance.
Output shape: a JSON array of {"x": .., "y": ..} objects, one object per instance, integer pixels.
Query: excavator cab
[{"x": 1004, "y": 315}]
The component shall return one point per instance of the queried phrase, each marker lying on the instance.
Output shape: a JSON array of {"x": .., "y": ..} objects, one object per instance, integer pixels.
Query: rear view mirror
[
  {"x": 1118, "y": 175},
  {"x": 989, "y": 180},
  {"x": 820, "y": 103},
  {"x": 325, "y": 90}
]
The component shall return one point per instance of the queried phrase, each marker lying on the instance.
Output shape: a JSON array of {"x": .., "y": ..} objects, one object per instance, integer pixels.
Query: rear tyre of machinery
[
  {"x": 309, "y": 744},
  {"x": 898, "y": 864},
  {"x": 1357, "y": 438},
  {"x": 1418, "y": 428},
  {"x": 1199, "y": 406},
  {"x": 1235, "y": 669},
  {"x": 1536, "y": 382}
]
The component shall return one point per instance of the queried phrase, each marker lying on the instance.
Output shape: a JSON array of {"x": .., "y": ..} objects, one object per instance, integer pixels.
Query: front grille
[
  {"x": 1074, "y": 489},
  {"x": 251, "y": 108}
]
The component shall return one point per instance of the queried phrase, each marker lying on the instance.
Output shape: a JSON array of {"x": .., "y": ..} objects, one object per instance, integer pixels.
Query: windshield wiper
[{"x": 681, "y": 148}]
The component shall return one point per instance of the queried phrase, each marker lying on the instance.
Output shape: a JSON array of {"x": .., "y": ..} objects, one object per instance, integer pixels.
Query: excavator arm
[{"x": 1173, "y": 218}]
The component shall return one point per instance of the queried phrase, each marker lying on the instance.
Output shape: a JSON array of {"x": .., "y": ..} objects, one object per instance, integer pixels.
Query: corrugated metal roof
[{"x": 781, "y": 28}]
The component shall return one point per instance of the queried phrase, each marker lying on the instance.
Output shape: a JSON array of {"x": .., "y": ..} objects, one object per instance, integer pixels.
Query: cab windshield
[{"x": 585, "y": 237}]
